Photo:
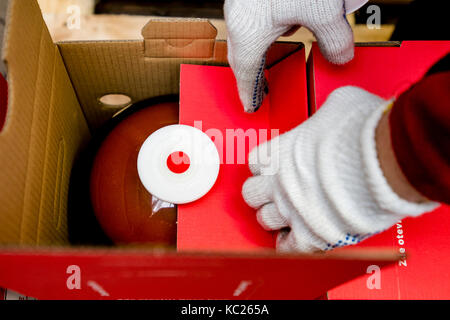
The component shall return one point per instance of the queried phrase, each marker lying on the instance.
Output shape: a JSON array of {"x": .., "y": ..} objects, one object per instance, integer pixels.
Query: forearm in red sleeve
[{"x": 420, "y": 134}]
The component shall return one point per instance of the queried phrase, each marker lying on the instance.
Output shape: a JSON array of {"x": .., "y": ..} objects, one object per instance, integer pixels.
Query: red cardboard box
[
  {"x": 387, "y": 71},
  {"x": 221, "y": 220}
]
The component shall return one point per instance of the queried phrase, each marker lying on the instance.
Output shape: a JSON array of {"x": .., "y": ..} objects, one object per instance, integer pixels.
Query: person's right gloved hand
[
  {"x": 253, "y": 25},
  {"x": 322, "y": 183}
]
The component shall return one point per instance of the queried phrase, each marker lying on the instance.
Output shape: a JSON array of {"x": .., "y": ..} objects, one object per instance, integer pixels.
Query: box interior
[{"x": 54, "y": 106}]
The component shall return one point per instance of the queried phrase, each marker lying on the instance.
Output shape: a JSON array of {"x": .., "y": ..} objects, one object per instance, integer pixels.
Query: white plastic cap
[{"x": 186, "y": 178}]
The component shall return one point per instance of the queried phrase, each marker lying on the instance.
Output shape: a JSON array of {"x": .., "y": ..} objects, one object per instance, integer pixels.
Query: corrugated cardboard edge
[
  {"x": 311, "y": 75},
  {"x": 43, "y": 129},
  {"x": 176, "y": 38}
]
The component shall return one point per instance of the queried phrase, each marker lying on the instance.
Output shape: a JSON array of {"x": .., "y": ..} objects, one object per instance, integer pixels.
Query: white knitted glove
[
  {"x": 253, "y": 25},
  {"x": 328, "y": 186}
]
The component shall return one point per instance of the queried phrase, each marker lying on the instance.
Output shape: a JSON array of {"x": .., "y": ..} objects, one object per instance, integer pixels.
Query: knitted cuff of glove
[{"x": 386, "y": 198}]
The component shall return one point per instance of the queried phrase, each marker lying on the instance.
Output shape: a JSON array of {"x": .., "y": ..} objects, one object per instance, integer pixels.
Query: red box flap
[
  {"x": 143, "y": 274},
  {"x": 209, "y": 100},
  {"x": 388, "y": 71}
]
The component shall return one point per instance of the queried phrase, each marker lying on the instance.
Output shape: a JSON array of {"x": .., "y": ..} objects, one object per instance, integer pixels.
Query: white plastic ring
[{"x": 186, "y": 178}]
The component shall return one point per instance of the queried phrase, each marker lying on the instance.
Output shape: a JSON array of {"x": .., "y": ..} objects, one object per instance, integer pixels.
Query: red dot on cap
[{"x": 178, "y": 162}]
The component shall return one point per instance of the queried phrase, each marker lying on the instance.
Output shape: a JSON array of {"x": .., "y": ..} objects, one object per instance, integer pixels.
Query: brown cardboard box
[{"x": 54, "y": 107}]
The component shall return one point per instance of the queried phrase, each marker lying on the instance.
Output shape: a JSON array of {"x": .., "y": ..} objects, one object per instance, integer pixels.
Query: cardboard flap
[
  {"x": 145, "y": 274},
  {"x": 394, "y": 68},
  {"x": 209, "y": 100},
  {"x": 187, "y": 38},
  {"x": 43, "y": 126}
]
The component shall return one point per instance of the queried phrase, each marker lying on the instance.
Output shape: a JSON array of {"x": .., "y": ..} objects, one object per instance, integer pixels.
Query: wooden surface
[
  {"x": 124, "y": 27},
  {"x": 60, "y": 6}
]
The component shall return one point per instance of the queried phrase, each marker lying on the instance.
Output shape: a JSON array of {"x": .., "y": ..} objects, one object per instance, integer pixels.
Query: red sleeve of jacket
[
  {"x": 420, "y": 134},
  {"x": 3, "y": 101}
]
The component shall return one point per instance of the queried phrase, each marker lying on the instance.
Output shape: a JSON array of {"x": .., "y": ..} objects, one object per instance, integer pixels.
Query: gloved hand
[
  {"x": 323, "y": 179},
  {"x": 253, "y": 25}
]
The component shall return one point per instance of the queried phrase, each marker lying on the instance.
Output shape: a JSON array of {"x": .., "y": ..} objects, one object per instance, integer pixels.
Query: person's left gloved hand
[
  {"x": 253, "y": 25},
  {"x": 323, "y": 179}
]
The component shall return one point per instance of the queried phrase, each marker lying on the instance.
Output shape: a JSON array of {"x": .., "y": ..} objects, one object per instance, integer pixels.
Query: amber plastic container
[{"x": 107, "y": 202}]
